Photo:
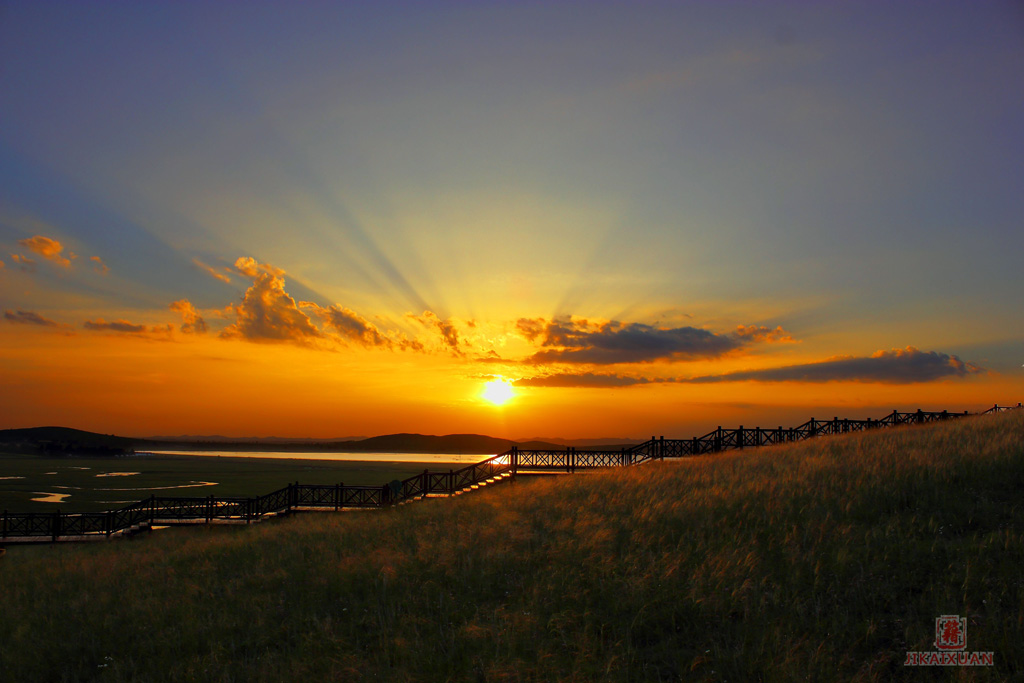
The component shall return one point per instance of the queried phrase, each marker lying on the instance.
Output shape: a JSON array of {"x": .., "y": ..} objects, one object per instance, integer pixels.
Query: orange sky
[{"x": 643, "y": 221}]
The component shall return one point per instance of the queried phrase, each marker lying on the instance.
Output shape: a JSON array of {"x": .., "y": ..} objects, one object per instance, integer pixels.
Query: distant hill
[
  {"x": 216, "y": 438},
  {"x": 424, "y": 443},
  {"x": 64, "y": 441}
]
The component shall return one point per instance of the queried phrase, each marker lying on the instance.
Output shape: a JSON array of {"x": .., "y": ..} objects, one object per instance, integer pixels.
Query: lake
[{"x": 425, "y": 458}]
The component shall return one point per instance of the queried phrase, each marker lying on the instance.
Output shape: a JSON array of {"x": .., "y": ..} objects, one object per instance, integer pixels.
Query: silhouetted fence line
[{"x": 165, "y": 511}]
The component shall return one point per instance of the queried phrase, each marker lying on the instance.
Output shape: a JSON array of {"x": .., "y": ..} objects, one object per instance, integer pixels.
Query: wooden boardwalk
[{"x": 36, "y": 527}]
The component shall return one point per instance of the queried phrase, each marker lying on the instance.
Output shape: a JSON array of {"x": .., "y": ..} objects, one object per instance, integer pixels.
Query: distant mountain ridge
[
  {"x": 56, "y": 440},
  {"x": 217, "y": 438}
]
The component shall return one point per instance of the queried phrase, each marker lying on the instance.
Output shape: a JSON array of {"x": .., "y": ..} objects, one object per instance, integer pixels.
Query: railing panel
[
  {"x": 276, "y": 501},
  {"x": 361, "y": 496},
  {"x": 84, "y": 523}
]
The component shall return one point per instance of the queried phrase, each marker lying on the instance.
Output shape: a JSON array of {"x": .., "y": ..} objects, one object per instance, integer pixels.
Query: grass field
[
  {"x": 816, "y": 561},
  {"x": 104, "y": 483}
]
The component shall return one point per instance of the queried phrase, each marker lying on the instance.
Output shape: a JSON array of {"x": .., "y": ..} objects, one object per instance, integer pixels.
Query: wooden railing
[{"x": 162, "y": 511}]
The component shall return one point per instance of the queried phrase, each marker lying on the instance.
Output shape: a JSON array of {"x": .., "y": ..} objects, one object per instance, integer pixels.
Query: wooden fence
[{"x": 19, "y": 527}]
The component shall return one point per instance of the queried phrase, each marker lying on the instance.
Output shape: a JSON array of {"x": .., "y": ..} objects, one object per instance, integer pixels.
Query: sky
[{"x": 516, "y": 219}]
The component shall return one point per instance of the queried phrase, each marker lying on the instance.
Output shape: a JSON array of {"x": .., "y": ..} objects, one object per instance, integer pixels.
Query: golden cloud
[
  {"x": 191, "y": 321},
  {"x": 211, "y": 271},
  {"x": 267, "y": 312},
  {"x": 47, "y": 248},
  {"x": 99, "y": 265}
]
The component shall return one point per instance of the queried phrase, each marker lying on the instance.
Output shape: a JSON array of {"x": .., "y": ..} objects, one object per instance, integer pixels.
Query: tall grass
[{"x": 815, "y": 561}]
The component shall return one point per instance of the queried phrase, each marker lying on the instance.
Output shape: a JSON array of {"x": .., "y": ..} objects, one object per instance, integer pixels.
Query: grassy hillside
[{"x": 815, "y": 561}]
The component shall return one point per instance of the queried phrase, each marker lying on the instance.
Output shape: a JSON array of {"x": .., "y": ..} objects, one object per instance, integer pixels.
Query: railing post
[
  {"x": 451, "y": 482},
  {"x": 661, "y": 446},
  {"x": 739, "y": 438},
  {"x": 337, "y": 496},
  {"x": 718, "y": 439},
  {"x": 152, "y": 512},
  {"x": 425, "y": 477}
]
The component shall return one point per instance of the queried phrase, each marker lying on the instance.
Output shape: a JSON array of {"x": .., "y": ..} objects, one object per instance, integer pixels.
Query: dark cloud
[
  {"x": 581, "y": 342},
  {"x": 531, "y": 328},
  {"x": 268, "y": 313},
  {"x": 767, "y": 335},
  {"x": 586, "y": 379},
  {"x": 191, "y": 321},
  {"x": 28, "y": 318},
  {"x": 100, "y": 325},
  {"x": 898, "y": 366}
]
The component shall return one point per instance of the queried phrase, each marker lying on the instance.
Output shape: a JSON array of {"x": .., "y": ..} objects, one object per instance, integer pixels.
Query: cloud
[
  {"x": 898, "y": 366},
  {"x": 268, "y": 313},
  {"x": 211, "y": 271},
  {"x": 123, "y": 326},
  {"x": 47, "y": 248},
  {"x": 350, "y": 325},
  {"x": 531, "y": 328},
  {"x": 248, "y": 266},
  {"x": 449, "y": 335},
  {"x": 26, "y": 263},
  {"x": 191, "y": 321},
  {"x": 28, "y": 318},
  {"x": 587, "y": 379},
  {"x": 583, "y": 342},
  {"x": 99, "y": 265},
  {"x": 1, "y": 264},
  {"x": 354, "y": 328},
  {"x": 762, "y": 334}
]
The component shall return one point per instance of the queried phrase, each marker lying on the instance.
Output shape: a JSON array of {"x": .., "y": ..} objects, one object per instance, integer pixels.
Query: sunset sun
[{"x": 498, "y": 392}]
